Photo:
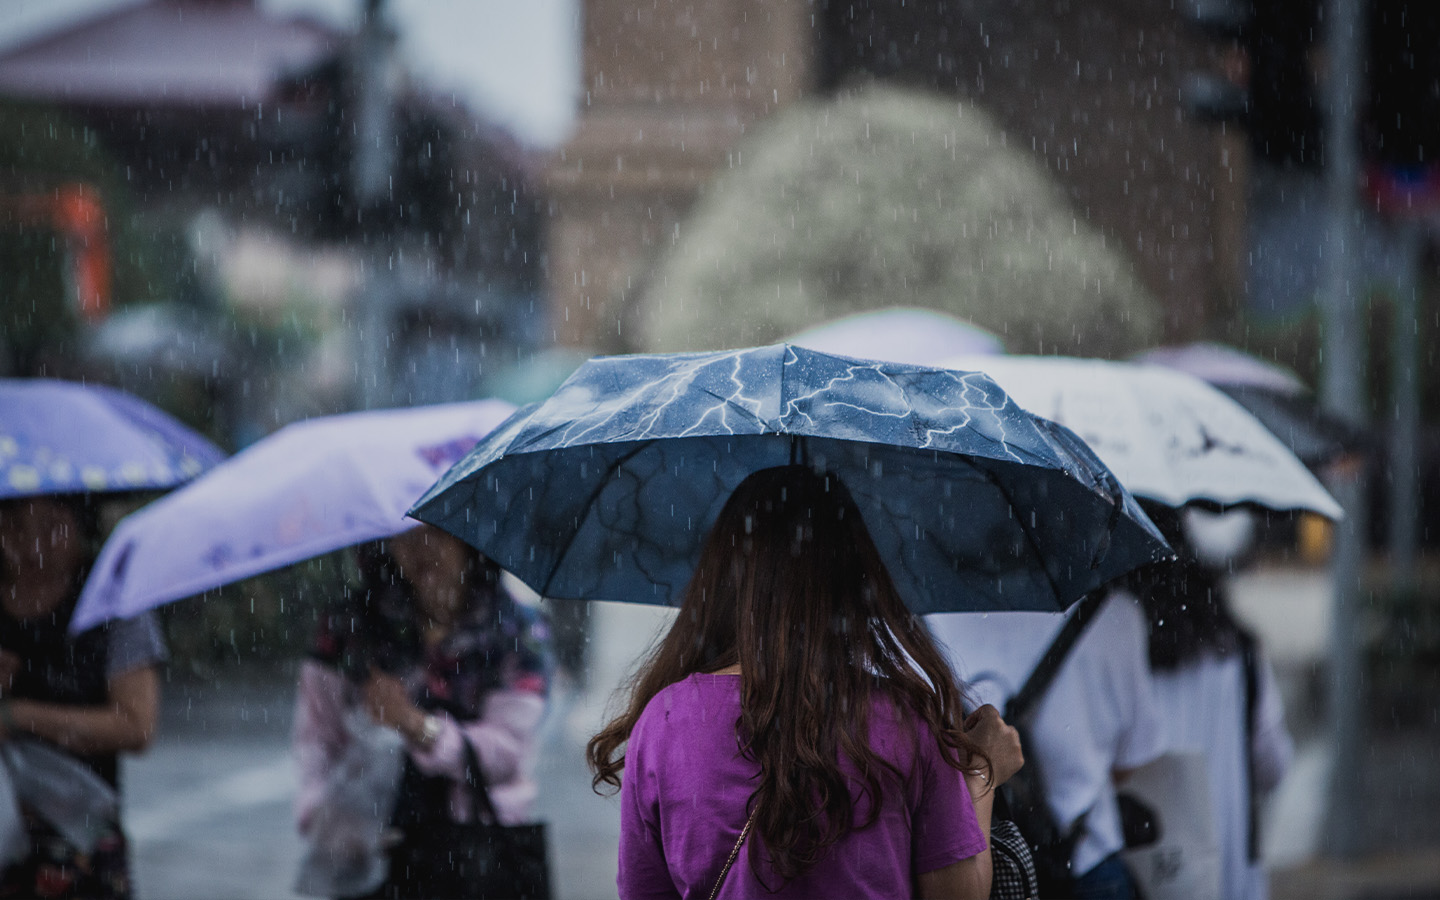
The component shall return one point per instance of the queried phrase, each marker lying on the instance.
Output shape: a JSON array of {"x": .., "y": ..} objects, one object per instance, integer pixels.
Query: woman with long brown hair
[{"x": 797, "y": 709}]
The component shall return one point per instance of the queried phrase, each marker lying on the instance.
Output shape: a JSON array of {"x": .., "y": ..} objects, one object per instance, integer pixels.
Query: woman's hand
[
  {"x": 389, "y": 703},
  {"x": 999, "y": 741}
]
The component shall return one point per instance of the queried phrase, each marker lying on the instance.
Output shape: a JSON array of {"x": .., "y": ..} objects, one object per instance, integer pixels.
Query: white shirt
[
  {"x": 1098, "y": 715},
  {"x": 1203, "y": 704}
]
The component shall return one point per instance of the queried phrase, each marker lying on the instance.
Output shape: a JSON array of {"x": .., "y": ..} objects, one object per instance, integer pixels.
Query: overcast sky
[{"x": 515, "y": 61}]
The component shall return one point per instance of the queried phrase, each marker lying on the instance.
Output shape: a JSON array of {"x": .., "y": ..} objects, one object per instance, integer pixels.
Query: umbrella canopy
[
  {"x": 60, "y": 437},
  {"x": 1272, "y": 393},
  {"x": 606, "y": 490},
  {"x": 900, "y": 334},
  {"x": 309, "y": 488},
  {"x": 1225, "y": 366},
  {"x": 1167, "y": 436},
  {"x": 891, "y": 195}
]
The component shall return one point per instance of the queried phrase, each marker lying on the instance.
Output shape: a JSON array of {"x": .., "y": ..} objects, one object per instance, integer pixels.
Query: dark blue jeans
[{"x": 1109, "y": 880}]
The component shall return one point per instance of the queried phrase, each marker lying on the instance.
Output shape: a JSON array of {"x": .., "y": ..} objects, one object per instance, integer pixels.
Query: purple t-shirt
[{"x": 685, "y": 786}]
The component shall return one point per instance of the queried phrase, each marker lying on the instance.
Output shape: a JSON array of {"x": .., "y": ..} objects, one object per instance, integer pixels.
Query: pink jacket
[{"x": 503, "y": 738}]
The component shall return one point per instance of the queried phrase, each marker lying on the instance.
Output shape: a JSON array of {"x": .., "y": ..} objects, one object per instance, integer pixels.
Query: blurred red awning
[{"x": 177, "y": 53}]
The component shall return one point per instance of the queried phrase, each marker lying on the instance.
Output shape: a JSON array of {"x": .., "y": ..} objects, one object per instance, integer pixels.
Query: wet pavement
[{"x": 208, "y": 807}]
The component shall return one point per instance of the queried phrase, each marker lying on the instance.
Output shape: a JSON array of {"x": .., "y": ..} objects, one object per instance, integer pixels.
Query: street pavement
[{"x": 208, "y": 807}]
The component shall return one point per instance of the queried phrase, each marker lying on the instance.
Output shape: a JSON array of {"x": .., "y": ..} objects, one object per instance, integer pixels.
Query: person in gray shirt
[{"x": 93, "y": 695}]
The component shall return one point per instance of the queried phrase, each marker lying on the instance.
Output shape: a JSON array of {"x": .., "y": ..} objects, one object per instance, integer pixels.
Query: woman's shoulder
[
  {"x": 695, "y": 700},
  {"x": 697, "y": 690}
]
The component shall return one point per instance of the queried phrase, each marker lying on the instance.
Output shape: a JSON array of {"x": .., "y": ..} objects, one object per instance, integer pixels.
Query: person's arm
[
  {"x": 125, "y": 723},
  {"x": 503, "y": 737},
  {"x": 970, "y": 878},
  {"x": 318, "y": 736}
]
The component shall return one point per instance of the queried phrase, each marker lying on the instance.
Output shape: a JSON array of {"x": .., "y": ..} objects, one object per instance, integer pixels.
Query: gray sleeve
[{"x": 133, "y": 643}]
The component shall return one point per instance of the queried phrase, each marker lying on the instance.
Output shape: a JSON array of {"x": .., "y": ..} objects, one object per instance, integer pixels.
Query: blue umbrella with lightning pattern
[{"x": 606, "y": 490}]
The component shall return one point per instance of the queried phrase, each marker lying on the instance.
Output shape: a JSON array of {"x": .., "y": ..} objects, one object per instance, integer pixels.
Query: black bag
[
  {"x": 476, "y": 860},
  {"x": 1020, "y": 802},
  {"x": 1139, "y": 822}
]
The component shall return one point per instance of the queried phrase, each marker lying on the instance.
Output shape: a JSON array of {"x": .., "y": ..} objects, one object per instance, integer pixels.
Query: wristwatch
[{"x": 429, "y": 732}]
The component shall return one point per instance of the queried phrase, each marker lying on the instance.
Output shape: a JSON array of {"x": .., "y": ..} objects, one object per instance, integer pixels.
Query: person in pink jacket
[{"x": 433, "y": 647}]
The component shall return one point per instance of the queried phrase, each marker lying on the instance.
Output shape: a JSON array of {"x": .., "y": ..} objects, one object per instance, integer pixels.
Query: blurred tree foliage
[{"x": 886, "y": 196}]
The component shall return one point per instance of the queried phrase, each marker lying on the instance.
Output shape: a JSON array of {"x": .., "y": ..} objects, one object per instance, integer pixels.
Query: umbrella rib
[
  {"x": 1029, "y": 539},
  {"x": 589, "y": 504},
  {"x": 731, "y": 403}
]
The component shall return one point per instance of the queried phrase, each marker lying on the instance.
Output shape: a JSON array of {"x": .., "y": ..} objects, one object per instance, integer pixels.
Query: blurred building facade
[{"x": 1093, "y": 90}]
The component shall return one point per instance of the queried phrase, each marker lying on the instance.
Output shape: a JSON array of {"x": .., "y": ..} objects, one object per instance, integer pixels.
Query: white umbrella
[
  {"x": 1166, "y": 435},
  {"x": 921, "y": 337},
  {"x": 310, "y": 488}
]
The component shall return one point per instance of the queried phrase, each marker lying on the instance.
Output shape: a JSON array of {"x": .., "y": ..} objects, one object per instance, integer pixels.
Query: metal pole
[
  {"x": 1343, "y": 395},
  {"x": 1405, "y": 431},
  {"x": 371, "y": 168},
  {"x": 374, "y": 159}
]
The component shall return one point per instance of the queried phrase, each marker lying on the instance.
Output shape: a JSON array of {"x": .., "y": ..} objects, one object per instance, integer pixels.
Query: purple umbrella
[
  {"x": 60, "y": 437},
  {"x": 308, "y": 489},
  {"x": 1270, "y": 392},
  {"x": 1225, "y": 366}
]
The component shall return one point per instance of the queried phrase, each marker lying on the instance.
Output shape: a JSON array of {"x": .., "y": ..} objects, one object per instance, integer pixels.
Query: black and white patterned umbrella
[
  {"x": 1167, "y": 436},
  {"x": 606, "y": 490}
]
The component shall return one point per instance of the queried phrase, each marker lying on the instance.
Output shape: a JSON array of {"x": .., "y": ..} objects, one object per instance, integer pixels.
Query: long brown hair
[{"x": 790, "y": 586}]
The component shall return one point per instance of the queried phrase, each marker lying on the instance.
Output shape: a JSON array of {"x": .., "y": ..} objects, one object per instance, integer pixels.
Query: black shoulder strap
[
  {"x": 1251, "y": 664},
  {"x": 1049, "y": 664}
]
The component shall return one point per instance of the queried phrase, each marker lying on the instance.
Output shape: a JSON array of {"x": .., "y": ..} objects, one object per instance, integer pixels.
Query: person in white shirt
[
  {"x": 1098, "y": 719},
  {"x": 1199, "y": 657}
]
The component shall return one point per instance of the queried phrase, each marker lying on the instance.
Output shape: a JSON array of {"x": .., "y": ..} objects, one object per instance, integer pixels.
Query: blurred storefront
[{"x": 233, "y": 148}]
